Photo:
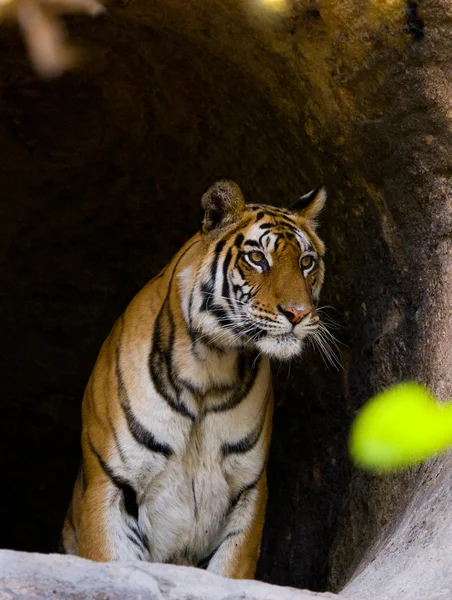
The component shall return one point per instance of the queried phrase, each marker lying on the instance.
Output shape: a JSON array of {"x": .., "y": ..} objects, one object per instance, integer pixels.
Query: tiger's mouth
[
  {"x": 283, "y": 346},
  {"x": 286, "y": 345}
]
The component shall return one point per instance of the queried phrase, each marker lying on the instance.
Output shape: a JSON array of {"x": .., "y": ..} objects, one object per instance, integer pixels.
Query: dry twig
[{"x": 45, "y": 36}]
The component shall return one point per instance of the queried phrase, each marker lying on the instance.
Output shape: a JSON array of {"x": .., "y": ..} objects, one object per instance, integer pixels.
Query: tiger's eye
[
  {"x": 307, "y": 262},
  {"x": 257, "y": 257}
]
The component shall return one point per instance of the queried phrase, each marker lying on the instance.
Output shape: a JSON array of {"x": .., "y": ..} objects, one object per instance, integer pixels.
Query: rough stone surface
[
  {"x": 39, "y": 576},
  {"x": 414, "y": 561},
  {"x": 101, "y": 173}
]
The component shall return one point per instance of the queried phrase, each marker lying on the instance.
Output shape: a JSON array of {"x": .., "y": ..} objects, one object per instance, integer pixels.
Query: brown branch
[{"x": 44, "y": 33}]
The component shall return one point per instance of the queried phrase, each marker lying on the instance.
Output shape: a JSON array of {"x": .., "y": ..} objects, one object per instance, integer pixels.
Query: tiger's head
[{"x": 261, "y": 273}]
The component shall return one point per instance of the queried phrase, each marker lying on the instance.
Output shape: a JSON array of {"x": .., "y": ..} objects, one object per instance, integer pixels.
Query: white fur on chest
[
  {"x": 184, "y": 511},
  {"x": 184, "y": 506}
]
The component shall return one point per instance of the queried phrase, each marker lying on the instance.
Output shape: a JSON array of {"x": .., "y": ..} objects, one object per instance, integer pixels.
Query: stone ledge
[{"x": 36, "y": 576}]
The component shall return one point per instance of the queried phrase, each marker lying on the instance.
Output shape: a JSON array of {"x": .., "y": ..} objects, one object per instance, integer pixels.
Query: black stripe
[
  {"x": 128, "y": 493},
  {"x": 190, "y": 310},
  {"x": 278, "y": 241},
  {"x": 216, "y": 256},
  {"x": 244, "y": 490},
  {"x": 287, "y": 228},
  {"x": 248, "y": 368},
  {"x": 223, "y": 317},
  {"x": 237, "y": 289},
  {"x": 130, "y": 500},
  {"x": 160, "y": 358},
  {"x": 264, "y": 235},
  {"x": 204, "y": 562},
  {"x": 226, "y": 263},
  {"x": 233, "y": 533},
  {"x": 242, "y": 364},
  {"x": 138, "y": 538},
  {"x": 136, "y": 542},
  {"x": 159, "y": 275},
  {"x": 115, "y": 435},
  {"x": 280, "y": 213},
  {"x": 252, "y": 243},
  {"x": 160, "y": 364},
  {"x": 257, "y": 333},
  {"x": 240, "y": 270},
  {"x": 141, "y": 435},
  {"x": 222, "y": 388},
  {"x": 285, "y": 221},
  {"x": 239, "y": 240},
  {"x": 188, "y": 385},
  {"x": 244, "y": 445},
  {"x": 248, "y": 442},
  {"x": 194, "y": 498},
  {"x": 280, "y": 225},
  {"x": 213, "y": 275},
  {"x": 140, "y": 535}
]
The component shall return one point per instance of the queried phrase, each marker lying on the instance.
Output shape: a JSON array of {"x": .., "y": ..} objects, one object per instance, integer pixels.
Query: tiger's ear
[
  {"x": 221, "y": 206},
  {"x": 310, "y": 205}
]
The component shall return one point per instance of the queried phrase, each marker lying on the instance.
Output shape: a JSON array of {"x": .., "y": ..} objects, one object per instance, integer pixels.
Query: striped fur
[{"x": 177, "y": 413}]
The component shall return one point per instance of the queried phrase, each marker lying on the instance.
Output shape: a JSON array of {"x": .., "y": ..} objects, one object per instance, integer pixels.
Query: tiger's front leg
[
  {"x": 107, "y": 517},
  {"x": 238, "y": 554},
  {"x": 107, "y": 532}
]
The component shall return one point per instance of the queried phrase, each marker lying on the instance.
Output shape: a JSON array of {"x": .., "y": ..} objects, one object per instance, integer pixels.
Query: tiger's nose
[{"x": 295, "y": 315}]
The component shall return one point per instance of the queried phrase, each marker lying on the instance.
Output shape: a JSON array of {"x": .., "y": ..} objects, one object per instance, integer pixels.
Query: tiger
[{"x": 177, "y": 412}]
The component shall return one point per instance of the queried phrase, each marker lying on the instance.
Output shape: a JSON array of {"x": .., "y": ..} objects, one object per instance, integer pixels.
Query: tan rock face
[{"x": 101, "y": 174}]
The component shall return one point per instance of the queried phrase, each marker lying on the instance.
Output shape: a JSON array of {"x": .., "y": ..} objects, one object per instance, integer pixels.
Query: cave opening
[{"x": 102, "y": 171}]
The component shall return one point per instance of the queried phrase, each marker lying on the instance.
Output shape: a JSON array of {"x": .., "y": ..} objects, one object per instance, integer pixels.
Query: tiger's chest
[{"x": 185, "y": 502}]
